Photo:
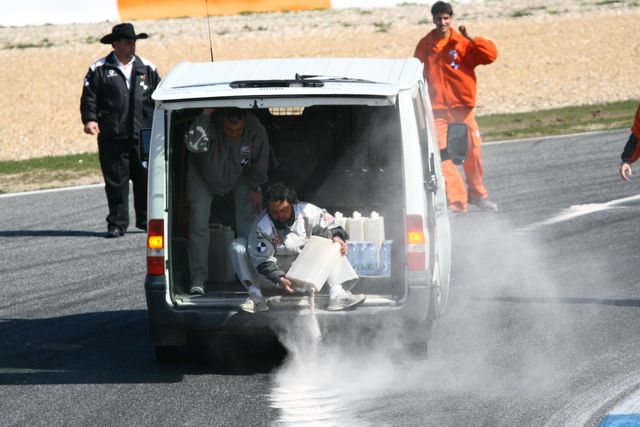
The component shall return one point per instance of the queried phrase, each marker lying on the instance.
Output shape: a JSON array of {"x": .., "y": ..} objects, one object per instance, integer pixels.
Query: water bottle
[
  {"x": 354, "y": 256},
  {"x": 385, "y": 258},
  {"x": 369, "y": 258}
]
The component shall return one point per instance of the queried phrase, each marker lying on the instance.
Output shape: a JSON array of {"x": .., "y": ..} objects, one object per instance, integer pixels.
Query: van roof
[{"x": 289, "y": 77}]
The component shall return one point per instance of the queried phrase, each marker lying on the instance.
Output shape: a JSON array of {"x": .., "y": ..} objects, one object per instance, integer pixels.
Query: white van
[{"x": 348, "y": 135}]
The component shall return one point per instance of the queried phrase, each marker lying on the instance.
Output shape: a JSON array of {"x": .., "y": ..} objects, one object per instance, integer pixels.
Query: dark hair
[
  {"x": 279, "y": 192},
  {"x": 441, "y": 7},
  {"x": 233, "y": 114}
]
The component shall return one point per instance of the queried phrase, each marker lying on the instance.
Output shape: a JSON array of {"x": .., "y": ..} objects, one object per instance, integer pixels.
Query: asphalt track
[{"x": 541, "y": 329}]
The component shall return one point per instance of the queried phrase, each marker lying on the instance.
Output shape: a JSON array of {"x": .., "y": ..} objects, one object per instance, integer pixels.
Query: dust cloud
[{"x": 504, "y": 334}]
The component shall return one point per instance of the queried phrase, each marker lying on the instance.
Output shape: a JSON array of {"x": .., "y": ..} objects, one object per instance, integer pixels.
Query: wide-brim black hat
[{"x": 122, "y": 31}]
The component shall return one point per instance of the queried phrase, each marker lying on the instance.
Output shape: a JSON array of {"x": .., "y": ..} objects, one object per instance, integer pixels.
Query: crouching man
[{"x": 275, "y": 241}]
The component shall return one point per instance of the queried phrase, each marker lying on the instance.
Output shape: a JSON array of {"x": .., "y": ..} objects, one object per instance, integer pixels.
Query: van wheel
[
  {"x": 167, "y": 353},
  {"x": 418, "y": 350}
]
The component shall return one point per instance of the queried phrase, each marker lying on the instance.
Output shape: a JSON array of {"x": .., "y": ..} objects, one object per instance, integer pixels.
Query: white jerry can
[
  {"x": 317, "y": 260},
  {"x": 374, "y": 229},
  {"x": 220, "y": 267},
  {"x": 355, "y": 227},
  {"x": 374, "y": 232}
]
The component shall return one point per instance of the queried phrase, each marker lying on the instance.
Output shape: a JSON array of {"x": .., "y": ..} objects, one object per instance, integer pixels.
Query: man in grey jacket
[{"x": 228, "y": 153}]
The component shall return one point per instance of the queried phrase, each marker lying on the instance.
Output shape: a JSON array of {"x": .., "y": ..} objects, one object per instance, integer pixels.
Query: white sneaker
[
  {"x": 197, "y": 287},
  {"x": 345, "y": 300},
  {"x": 254, "y": 304}
]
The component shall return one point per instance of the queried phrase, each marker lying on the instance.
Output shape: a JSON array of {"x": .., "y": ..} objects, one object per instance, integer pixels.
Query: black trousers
[{"x": 120, "y": 162}]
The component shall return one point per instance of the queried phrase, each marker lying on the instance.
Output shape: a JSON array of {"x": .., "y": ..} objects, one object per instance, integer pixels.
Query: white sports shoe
[
  {"x": 197, "y": 287},
  {"x": 254, "y": 304},
  {"x": 345, "y": 300}
]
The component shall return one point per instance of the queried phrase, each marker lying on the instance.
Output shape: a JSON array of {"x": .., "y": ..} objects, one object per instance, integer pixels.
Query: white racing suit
[{"x": 270, "y": 251}]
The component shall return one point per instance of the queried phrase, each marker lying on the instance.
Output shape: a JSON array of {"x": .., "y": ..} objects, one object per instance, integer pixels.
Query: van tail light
[
  {"x": 416, "y": 243},
  {"x": 155, "y": 247}
]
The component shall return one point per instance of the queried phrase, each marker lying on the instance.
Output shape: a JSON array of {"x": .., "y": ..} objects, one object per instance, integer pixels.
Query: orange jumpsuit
[
  {"x": 449, "y": 71},
  {"x": 631, "y": 151}
]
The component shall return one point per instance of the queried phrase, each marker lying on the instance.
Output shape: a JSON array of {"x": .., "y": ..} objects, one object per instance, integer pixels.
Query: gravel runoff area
[{"x": 553, "y": 53}]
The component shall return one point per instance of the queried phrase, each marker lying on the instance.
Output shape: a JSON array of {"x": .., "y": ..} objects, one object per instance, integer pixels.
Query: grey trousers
[{"x": 198, "y": 244}]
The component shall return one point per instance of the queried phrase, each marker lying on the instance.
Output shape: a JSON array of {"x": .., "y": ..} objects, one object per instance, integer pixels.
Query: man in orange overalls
[
  {"x": 631, "y": 151},
  {"x": 450, "y": 58}
]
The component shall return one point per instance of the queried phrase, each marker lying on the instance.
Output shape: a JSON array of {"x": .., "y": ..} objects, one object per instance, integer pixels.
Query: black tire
[{"x": 168, "y": 353}]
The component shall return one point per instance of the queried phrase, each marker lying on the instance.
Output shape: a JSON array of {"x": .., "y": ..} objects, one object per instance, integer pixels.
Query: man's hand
[
  {"x": 286, "y": 285},
  {"x": 463, "y": 31},
  {"x": 91, "y": 128},
  {"x": 625, "y": 171},
  {"x": 343, "y": 244},
  {"x": 254, "y": 198}
]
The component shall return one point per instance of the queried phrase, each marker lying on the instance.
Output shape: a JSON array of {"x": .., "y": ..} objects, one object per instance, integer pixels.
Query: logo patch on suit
[
  {"x": 245, "y": 151},
  {"x": 261, "y": 247},
  {"x": 453, "y": 54}
]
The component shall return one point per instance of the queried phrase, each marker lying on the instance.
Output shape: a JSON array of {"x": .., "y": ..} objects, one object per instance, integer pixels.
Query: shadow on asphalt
[
  {"x": 114, "y": 347},
  {"x": 50, "y": 233}
]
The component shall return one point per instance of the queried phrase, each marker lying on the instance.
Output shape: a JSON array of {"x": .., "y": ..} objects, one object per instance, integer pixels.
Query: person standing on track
[
  {"x": 115, "y": 105},
  {"x": 631, "y": 150},
  {"x": 450, "y": 58}
]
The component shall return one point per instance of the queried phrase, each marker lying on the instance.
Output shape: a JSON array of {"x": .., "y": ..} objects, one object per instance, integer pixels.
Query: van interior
[{"x": 342, "y": 158}]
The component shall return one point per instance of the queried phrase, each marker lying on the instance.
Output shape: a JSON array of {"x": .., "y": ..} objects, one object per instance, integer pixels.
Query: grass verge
[
  {"x": 60, "y": 171},
  {"x": 48, "y": 172},
  {"x": 558, "y": 121}
]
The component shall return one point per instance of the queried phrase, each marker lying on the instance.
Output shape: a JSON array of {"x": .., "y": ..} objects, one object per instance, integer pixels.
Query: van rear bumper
[{"x": 169, "y": 323}]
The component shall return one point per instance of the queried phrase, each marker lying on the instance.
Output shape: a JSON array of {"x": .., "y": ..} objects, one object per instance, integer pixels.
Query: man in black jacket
[{"x": 116, "y": 103}]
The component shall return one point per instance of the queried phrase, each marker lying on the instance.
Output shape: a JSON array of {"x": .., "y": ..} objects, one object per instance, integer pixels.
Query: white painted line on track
[
  {"x": 50, "y": 190},
  {"x": 576, "y": 211}
]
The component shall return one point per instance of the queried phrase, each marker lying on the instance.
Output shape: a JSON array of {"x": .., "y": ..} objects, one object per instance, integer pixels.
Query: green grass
[
  {"x": 558, "y": 121},
  {"x": 70, "y": 163},
  {"x": 494, "y": 127}
]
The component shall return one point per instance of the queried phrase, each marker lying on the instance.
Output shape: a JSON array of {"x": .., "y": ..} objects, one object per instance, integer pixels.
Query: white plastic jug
[
  {"x": 374, "y": 232},
  {"x": 374, "y": 229},
  {"x": 355, "y": 227},
  {"x": 220, "y": 267},
  {"x": 340, "y": 220},
  {"x": 316, "y": 261}
]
